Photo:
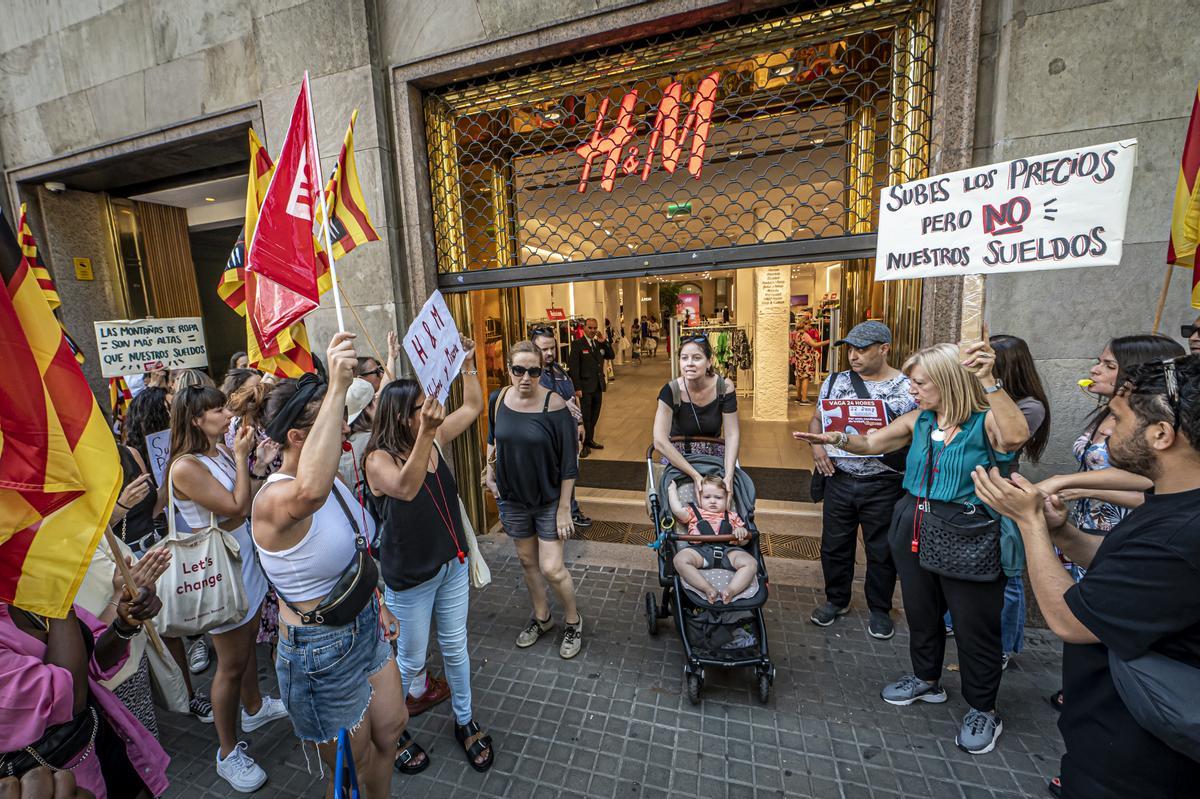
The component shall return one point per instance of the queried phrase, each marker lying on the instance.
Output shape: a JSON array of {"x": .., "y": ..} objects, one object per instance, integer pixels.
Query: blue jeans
[
  {"x": 444, "y": 596},
  {"x": 1012, "y": 618}
]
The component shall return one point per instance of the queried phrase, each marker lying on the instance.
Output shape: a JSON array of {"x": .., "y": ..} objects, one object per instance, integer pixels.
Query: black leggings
[{"x": 975, "y": 608}]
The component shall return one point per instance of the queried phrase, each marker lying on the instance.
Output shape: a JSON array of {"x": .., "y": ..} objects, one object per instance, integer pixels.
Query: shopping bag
[
  {"x": 166, "y": 682},
  {"x": 481, "y": 575},
  {"x": 202, "y": 588}
]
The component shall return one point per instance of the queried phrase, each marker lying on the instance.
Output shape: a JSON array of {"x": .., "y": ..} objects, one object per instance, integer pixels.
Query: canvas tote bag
[{"x": 202, "y": 588}]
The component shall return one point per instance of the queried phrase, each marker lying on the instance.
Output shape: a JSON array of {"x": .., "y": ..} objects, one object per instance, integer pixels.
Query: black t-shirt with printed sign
[{"x": 1140, "y": 594}]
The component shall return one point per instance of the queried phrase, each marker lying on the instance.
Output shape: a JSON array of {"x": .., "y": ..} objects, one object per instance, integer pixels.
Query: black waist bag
[
  {"x": 353, "y": 589},
  {"x": 955, "y": 539},
  {"x": 58, "y": 746}
]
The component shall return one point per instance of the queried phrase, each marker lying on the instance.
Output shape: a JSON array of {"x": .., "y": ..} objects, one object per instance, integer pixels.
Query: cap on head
[
  {"x": 864, "y": 334},
  {"x": 358, "y": 397}
]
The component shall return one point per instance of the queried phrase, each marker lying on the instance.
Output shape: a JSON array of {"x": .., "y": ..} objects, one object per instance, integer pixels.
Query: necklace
[{"x": 940, "y": 433}]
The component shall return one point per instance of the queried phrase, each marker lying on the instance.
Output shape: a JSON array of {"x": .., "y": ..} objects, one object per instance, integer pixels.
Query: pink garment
[
  {"x": 35, "y": 695},
  {"x": 714, "y": 519}
]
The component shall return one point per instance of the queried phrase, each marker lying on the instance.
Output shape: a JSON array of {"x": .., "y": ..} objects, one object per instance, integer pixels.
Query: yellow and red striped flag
[
  {"x": 119, "y": 397},
  {"x": 41, "y": 274},
  {"x": 1185, "y": 218},
  {"x": 351, "y": 224},
  {"x": 59, "y": 471}
]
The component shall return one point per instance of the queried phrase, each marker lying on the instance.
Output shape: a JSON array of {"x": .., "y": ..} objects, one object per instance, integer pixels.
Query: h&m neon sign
[{"x": 667, "y": 138}]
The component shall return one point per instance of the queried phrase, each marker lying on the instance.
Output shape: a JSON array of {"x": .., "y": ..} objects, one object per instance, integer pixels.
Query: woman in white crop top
[
  {"x": 210, "y": 481},
  {"x": 331, "y": 677}
]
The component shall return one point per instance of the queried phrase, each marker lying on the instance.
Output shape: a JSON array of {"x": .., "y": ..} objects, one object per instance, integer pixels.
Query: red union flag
[
  {"x": 281, "y": 251},
  {"x": 667, "y": 137}
]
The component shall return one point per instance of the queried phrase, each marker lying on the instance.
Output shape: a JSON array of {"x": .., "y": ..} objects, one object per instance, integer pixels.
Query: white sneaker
[
  {"x": 239, "y": 770},
  {"x": 272, "y": 710}
]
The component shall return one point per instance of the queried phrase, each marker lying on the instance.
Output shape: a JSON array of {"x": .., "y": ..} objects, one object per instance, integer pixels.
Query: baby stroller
[{"x": 723, "y": 635}]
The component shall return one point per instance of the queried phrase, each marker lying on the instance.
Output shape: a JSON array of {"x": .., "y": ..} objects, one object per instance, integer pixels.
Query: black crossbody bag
[
  {"x": 893, "y": 460},
  {"x": 955, "y": 539},
  {"x": 354, "y": 588}
]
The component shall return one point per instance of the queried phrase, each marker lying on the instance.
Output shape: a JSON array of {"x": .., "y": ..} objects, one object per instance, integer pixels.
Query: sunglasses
[
  {"x": 1187, "y": 331},
  {"x": 693, "y": 339},
  {"x": 377, "y": 372},
  {"x": 541, "y": 331},
  {"x": 521, "y": 371}
]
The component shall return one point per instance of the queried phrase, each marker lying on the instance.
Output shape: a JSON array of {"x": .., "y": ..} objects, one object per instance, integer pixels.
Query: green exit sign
[{"x": 679, "y": 209}]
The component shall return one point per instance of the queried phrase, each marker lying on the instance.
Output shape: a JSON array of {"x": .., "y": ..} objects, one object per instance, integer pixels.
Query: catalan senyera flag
[
  {"x": 351, "y": 225},
  {"x": 41, "y": 274},
  {"x": 1185, "y": 218},
  {"x": 291, "y": 354},
  {"x": 59, "y": 471},
  {"x": 119, "y": 397}
]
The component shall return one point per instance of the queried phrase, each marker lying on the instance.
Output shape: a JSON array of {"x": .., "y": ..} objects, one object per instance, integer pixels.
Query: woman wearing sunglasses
[
  {"x": 698, "y": 403},
  {"x": 531, "y": 470}
]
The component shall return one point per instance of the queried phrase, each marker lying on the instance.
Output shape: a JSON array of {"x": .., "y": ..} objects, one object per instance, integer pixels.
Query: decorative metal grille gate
[{"x": 762, "y": 139}]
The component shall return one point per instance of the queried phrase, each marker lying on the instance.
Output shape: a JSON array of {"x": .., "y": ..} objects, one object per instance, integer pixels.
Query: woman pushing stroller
[{"x": 710, "y": 515}]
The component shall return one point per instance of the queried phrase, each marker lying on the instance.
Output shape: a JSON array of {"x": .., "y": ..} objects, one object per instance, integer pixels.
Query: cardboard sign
[
  {"x": 1056, "y": 211},
  {"x": 434, "y": 347},
  {"x": 130, "y": 347},
  {"x": 854, "y": 417},
  {"x": 159, "y": 446}
]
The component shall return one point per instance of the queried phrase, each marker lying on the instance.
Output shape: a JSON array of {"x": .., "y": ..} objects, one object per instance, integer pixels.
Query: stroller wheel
[
  {"x": 651, "y": 613},
  {"x": 694, "y": 684},
  {"x": 764, "y": 687}
]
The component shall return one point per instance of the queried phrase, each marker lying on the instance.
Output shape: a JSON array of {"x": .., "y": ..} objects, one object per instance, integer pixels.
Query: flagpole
[
  {"x": 123, "y": 567},
  {"x": 316, "y": 154},
  {"x": 1162, "y": 299}
]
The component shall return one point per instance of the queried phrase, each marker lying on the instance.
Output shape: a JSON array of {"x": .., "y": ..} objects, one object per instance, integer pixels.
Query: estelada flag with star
[
  {"x": 281, "y": 250},
  {"x": 59, "y": 470},
  {"x": 1185, "y": 218}
]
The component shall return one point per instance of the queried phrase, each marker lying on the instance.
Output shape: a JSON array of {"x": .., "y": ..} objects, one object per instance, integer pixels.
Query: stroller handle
[
  {"x": 709, "y": 539},
  {"x": 685, "y": 440}
]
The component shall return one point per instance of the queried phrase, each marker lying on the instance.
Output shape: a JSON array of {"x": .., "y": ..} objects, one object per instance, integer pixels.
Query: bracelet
[
  {"x": 124, "y": 636},
  {"x": 122, "y": 507},
  {"x": 842, "y": 440}
]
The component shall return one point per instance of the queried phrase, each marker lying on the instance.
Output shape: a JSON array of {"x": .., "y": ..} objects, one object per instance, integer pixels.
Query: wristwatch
[{"x": 999, "y": 385}]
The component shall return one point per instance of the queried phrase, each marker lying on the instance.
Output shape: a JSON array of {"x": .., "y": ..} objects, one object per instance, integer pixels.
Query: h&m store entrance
[{"x": 737, "y": 163}]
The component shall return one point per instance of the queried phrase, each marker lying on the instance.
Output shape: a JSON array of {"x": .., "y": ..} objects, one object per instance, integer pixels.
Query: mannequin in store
[{"x": 805, "y": 353}]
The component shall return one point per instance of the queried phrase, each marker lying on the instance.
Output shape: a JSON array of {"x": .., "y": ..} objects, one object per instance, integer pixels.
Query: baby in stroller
[{"x": 712, "y": 517}]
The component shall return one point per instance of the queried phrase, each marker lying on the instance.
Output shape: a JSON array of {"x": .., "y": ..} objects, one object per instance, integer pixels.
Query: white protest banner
[
  {"x": 159, "y": 446},
  {"x": 434, "y": 347},
  {"x": 1055, "y": 211},
  {"x": 134, "y": 346}
]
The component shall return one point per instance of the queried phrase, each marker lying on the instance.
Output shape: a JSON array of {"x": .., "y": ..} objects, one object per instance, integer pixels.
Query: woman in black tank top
[{"x": 423, "y": 549}]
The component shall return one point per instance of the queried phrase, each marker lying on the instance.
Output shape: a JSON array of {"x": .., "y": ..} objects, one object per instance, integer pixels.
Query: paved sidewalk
[{"x": 614, "y": 722}]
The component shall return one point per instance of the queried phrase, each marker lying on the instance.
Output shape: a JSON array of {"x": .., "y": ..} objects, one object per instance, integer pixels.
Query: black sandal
[
  {"x": 410, "y": 750},
  {"x": 475, "y": 743},
  {"x": 1056, "y": 700}
]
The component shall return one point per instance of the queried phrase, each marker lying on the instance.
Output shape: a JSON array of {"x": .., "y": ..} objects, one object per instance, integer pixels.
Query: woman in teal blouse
[{"x": 962, "y": 412}]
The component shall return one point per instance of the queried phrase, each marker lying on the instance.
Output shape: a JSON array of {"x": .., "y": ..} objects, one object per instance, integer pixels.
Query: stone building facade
[{"x": 104, "y": 97}]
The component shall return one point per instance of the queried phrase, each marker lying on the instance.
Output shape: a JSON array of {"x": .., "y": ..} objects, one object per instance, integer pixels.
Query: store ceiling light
[
  {"x": 210, "y": 199},
  {"x": 552, "y": 116},
  {"x": 782, "y": 71}
]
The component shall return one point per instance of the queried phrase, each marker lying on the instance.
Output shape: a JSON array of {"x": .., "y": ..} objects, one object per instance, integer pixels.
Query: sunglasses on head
[
  {"x": 521, "y": 371},
  {"x": 541, "y": 331},
  {"x": 1170, "y": 386},
  {"x": 693, "y": 339},
  {"x": 1187, "y": 331}
]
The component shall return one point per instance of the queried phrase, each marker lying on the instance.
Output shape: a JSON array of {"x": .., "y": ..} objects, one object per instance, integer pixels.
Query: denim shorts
[
  {"x": 323, "y": 673},
  {"x": 522, "y": 522}
]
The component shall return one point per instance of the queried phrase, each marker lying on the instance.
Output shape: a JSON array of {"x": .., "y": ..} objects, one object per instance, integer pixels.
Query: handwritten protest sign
[
  {"x": 134, "y": 346},
  {"x": 434, "y": 348},
  {"x": 1055, "y": 211},
  {"x": 854, "y": 417},
  {"x": 158, "y": 445}
]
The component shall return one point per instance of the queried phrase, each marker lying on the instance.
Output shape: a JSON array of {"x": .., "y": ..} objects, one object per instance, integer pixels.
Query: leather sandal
[
  {"x": 474, "y": 744},
  {"x": 437, "y": 690},
  {"x": 409, "y": 750}
]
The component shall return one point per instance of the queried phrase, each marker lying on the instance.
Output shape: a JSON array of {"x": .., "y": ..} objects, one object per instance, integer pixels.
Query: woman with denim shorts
[
  {"x": 423, "y": 548},
  {"x": 305, "y": 521},
  {"x": 531, "y": 470}
]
